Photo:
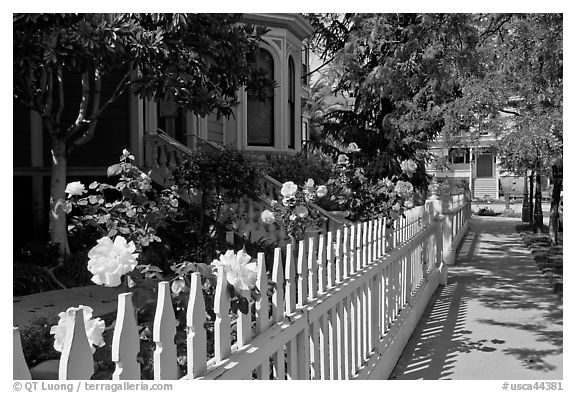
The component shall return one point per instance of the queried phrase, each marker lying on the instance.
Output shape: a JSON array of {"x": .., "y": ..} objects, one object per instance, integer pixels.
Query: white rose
[
  {"x": 109, "y": 261},
  {"x": 353, "y": 147},
  {"x": 267, "y": 217},
  {"x": 288, "y": 189},
  {"x": 321, "y": 191},
  {"x": 75, "y": 188},
  {"x": 343, "y": 159},
  {"x": 309, "y": 183},
  {"x": 94, "y": 328},
  {"x": 240, "y": 272},
  {"x": 404, "y": 188},
  {"x": 408, "y": 167}
]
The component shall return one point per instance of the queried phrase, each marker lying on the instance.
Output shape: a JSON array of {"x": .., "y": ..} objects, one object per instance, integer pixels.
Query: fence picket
[
  {"x": 322, "y": 273},
  {"x": 278, "y": 279},
  {"x": 290, "y": 281},
  {"x": 312, "y": 268},
  {"x": 19, "y": 367},
  {"x": 222, "y": 340},
  {"x": 292, "y": 360},
  {"x": 76, "y": 361},
  {"x": 302, "y": 270},
  {"x": 352, "y": 251},
  {"x": 365, "y": 244},
  {"x": 330, "y": 257},
  {"x": 324, "y": 348},
  {"x": 195, "y": 319},
  {"x": 262, "y": 316},
  {"x": 359, "y": 249},
  {"x": 125, "y": 341},
  {"x": 165, "y": 366},
  {"x": 338, "y": 257}
]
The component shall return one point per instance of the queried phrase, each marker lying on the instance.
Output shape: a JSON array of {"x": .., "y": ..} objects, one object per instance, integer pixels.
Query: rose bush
[
  {"x": 296, "y": 213},
  {"x": 365, "y": 198}
]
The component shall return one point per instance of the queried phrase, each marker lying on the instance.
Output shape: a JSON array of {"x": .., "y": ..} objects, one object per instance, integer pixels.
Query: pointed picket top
[
  {"x": 195, "y": 319},
  {"x": 19, "y": 367},
  {"x": 278, "y": 279},
  {"x": 76, "y": 361},
  {"x": 165, "y": 366},
  {"x": 322, "y": 273},
  {"x": 262, "y": 317},
  {"x": 290, "y": 281},
  {"x": 125, "y": 341},
  {"x": 302, "y": 270},
  {"x": 222, "y": 327}
]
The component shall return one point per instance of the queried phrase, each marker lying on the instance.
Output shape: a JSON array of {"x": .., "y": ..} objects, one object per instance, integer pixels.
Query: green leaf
[{"x": 114, "y": 170}]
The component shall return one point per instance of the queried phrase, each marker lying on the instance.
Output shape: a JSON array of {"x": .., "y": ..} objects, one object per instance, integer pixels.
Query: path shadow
[{"x": 495, "y": 270}]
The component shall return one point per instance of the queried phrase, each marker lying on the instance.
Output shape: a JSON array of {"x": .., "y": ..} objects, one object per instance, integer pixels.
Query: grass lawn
[{"x": 547, "y": 256}]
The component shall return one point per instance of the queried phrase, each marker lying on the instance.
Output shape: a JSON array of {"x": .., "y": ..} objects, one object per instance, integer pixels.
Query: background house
[{"x": 276, "y": 125}]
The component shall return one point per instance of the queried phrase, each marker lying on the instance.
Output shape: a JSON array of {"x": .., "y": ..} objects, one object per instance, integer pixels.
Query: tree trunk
[
  {"x": 57, "y": 215},
  {"x": 530, "y": 201},
  {"x": 538, "y": 216},
  {"x": 555, "y": 202}
]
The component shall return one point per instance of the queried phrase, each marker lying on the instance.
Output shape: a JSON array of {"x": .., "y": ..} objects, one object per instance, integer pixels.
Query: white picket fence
[{"x": 344, "y": 306}]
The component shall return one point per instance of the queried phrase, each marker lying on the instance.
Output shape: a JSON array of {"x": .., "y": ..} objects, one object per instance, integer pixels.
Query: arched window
[
  {"x": 291, "y": 102},
  {"x": 260, "y": 107}
]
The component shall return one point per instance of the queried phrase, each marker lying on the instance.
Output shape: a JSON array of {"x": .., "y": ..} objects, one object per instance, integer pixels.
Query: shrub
[{"x": 298, "y": 168}]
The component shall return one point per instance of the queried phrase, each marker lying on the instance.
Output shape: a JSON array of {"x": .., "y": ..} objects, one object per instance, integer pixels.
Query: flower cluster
[
  {"x": 94, "y": 328},
  {"x": 295, "y": 212},
  {"x": 351, "y": 190}
]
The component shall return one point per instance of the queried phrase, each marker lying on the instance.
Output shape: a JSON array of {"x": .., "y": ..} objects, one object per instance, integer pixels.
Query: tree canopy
[{"x": 413, "y": 77}]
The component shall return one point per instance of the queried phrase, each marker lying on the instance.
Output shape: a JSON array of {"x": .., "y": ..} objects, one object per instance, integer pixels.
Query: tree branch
[
  {"x": 318, "y": 68},
  {"x": 83, "y": 106},
  {"x": 96, "y": 94},
  {"x": 60, "y": 81}
]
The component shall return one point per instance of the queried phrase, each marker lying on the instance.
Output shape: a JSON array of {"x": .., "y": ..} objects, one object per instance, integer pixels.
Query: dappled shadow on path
[{"x": 497, "y": 273}]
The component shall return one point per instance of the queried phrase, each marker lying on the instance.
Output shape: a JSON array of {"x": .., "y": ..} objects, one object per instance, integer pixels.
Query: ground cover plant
[{"x": 548, "y": 257}]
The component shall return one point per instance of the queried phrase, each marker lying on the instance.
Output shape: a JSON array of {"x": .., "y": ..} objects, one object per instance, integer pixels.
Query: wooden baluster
[
  {"x": 20, "y": 369},
  {"x": 222, "y": 325},
  {"x": 322, "y": 273},
  {"x": 302, "y": 270},
  {"x": 195, "y": 319},
  {"x": 312, "y": 268},
  {"x": 290, "y": 281},
  {"x": 346, "y": 254},
  {"x": 165, "y": 366},
  {"x": 76, "y": 361},
  {"x": 125, "y": 341}
]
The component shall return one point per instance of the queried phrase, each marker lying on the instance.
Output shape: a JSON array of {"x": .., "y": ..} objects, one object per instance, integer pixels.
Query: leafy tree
[
  {"x": 405, "y": 73},
  {"x": 199, "y": 59}
]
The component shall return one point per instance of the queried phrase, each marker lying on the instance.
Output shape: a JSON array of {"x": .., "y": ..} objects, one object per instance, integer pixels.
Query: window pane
[{"x": 260, "y": 110}]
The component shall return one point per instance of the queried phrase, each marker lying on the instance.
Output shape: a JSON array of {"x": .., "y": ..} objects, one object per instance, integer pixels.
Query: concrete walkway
[{"x": 497, "y": 319}]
